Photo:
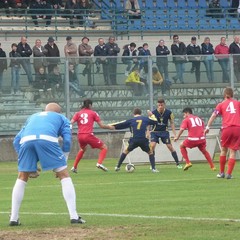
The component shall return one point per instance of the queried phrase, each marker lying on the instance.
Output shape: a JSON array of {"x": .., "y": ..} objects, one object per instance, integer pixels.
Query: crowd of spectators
[{"x": 84, "y": 58}]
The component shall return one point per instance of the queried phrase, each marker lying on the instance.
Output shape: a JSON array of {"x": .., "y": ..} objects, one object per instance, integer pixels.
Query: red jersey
[
  {"x": 85, "y": 119},
  {"x": 195, "y": 127},
  {"x": 229, "y": 109}
]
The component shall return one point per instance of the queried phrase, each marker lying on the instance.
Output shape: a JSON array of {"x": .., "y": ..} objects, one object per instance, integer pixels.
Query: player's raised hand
[{"x": 149, "y": 113}]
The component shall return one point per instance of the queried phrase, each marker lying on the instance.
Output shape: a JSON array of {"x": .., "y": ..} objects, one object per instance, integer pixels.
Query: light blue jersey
[{"x": 38, "y": 141}]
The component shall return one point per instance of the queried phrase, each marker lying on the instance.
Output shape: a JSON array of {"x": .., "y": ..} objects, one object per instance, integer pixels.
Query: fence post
[
  {"x": 66, "y": 89},
  {"x": 231, "y": 71},
  {"x": 149, "y": 80}
]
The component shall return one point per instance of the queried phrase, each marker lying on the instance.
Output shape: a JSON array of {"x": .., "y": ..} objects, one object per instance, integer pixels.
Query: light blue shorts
[{"x": 48, "y": 153}]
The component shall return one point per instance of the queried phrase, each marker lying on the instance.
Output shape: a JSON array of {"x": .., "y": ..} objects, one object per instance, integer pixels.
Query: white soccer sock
[
  {"x": 69, "y": 195},
  {"x": 17, "y": 197}
]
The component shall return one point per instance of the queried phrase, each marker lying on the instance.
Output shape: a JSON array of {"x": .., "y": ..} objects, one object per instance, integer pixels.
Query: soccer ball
[{"x": 130, "y": 168}]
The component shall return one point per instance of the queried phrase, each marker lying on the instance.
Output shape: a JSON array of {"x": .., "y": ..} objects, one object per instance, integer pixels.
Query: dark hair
[
  {"x": 187, "y": 110},
  {"x": 87, "y": 103},
  {"x": 175, "y": 36},
  {"x": 14, "y": 45},
  {"x": 228, "y": 92},
  {"x": 161, "y": 100},
  {"x": 133, "y": 44},
  {"x": 137, "y": 111},
  {"x": 145, "y": 44}
]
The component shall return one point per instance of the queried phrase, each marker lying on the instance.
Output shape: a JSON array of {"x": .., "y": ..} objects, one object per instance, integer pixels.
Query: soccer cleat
[
  {"x": 14, "y": 223},
  {"x": 78, "y": 221},
  {"x": 229, "y": 176},
  {"x": 213, "y": 169},
  {"x": 117, "y": 169},
  {"x": 155, "y": 171},
  {"x": 101, "y": 167},
  {"x": 187, "y": 166},
  {"x": 179, "y": 166},
  {"x": 221, "y": 175},
  {"x": 74, "y": 170},
  {"x": 33, "y": 174}
]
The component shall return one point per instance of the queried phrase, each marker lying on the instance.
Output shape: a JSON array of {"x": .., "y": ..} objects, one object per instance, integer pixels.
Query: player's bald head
[{"x": 53, "y": 107}]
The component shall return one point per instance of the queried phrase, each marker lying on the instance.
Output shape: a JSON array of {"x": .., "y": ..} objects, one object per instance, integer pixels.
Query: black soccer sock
[
  {"x": 152, "y": 160},
  {"x": 122, "y": 157},
  {"x": 175, "y": 156}
]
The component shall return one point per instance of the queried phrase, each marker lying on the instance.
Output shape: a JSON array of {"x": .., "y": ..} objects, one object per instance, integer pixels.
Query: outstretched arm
[
  {"x": 210, "y": 121},
  {"x": 179, "y": 134}
]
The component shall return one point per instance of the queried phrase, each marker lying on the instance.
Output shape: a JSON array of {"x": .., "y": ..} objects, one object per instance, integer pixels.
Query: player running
[
  {"x": 196, "y": 137},
  {"x": 85, "y": 119},
  {"x": 160, "y": 131},
  {"x": 229, "y": 109},
  {"x": 138, "y": 127}
]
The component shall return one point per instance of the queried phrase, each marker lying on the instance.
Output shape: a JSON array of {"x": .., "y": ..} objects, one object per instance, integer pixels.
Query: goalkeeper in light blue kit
[{"x": 38, "y": 141}]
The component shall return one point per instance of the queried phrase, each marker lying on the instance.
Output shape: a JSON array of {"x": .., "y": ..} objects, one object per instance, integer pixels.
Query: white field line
[
  {"x": 134, "y": 216},
  {"x": 118, "y": 183}
]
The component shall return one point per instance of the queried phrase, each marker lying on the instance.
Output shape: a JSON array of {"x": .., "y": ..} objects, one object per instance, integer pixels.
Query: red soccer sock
[
  {"x": 184, "y": 154},
  {"x": 102, "y": 155},
  {"x": 78, "y": 158},
  {"x": 231, "y": 164},
  {"x": 222, "y": 162},
  {"x": 209, "y": 159}
]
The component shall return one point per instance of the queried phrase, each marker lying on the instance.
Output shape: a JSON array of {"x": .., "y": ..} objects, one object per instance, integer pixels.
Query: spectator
[
  {"x": 134, "y": 81},
  {"x": 70, "y": 51},
  {"x": 39, "y": 54},
  {"x": 3, "y": 66},
  {"x": 25, "y": 51},
  {"x": 7, "y": 4},
  {"x": 55, "y": 81},
  {"x": 73, "y": 80},
  {"x": 234, "y": 8},
  {"x": 47, "y": 11},
  {"x": 158, "y": 81},
  {"x": 133, "y": 9},
  {"x": 53, "y": 54},
  {"x": 234, "y": 49},
  {"x": 112, "y": 52},
  {"x": 222, "y": 54},
  {"x": 143, "y": 52},
  {"x": 208, "y": 58},
  {"x": 215, "y": 10},
  {"x": 179, "y": 52},
  {"x": 100, "y": 51},
  {"x": 194, "y": 52},
  {"x": 85, "y": 6},
  {"x": 162, "y": 60},
  {"x": 15, "y": 68},
  {"x": 56, "y": 6},
  {"x": 85, "y": 51},
  {"x": 41, "y": 83},
  {"x": 130, "y": 57},
  {"x": 36, "y": 10},
  {"x": 20, "y": 7},
  {"x": 72, "y": 8}
]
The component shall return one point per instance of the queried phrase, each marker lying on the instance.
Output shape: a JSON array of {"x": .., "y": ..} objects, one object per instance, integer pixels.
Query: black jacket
[
  {"x": 235, "y": 49},
  {"x": 194, "y": 50},
  {"x": 162, "y": 51},
  {"x": 3, "y": 60},
  {"x": 52, "y": 54},
  {"x": 15, "y": 60},
  {"x": 179, "y": 49},
  {"x": 100, "y": 51},
  {"x": 126, "y": 53},
  {"x": 207, "y": 49},
  {"x": 24, "y": 51}
]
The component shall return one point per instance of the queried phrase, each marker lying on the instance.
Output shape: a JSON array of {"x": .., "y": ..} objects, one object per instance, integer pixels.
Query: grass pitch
[{"x": 170, "y": 205}]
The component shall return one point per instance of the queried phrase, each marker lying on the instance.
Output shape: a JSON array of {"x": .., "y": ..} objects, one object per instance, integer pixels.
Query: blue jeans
[
  {"x": 27, "y": 68},
  {"x": 180, "y": 69},
  {"x": 15, "y": 78},
  {"x": 224, "y": 65},
  {"x": 209, "y": 69}
]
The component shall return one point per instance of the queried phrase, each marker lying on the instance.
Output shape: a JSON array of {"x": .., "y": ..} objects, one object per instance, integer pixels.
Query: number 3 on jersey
[
  {"x": 230, "y": 108},
  {"x": 84, "y": 118}
]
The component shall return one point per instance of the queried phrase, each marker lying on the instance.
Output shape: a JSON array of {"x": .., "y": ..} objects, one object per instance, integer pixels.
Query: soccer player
[
  {"x": 229, "y": 109},
  {"x": 85, "y": 119},
  {"x": 160, "y": 131},
  {"x": 38, "y": 141},
  {"x": 196, "y": 137},
  {"x": 138, "y": 127}
]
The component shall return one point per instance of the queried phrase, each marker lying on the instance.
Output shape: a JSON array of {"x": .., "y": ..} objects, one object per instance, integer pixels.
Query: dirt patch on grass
[{"x": 72, "y": 233}]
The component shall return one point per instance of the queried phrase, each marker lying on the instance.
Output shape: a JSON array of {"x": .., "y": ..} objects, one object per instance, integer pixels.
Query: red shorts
[
  {"x": 200, "y": 144},
  {"x": 230, "y": 138},
  {"x": 89, "y": 139}
]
